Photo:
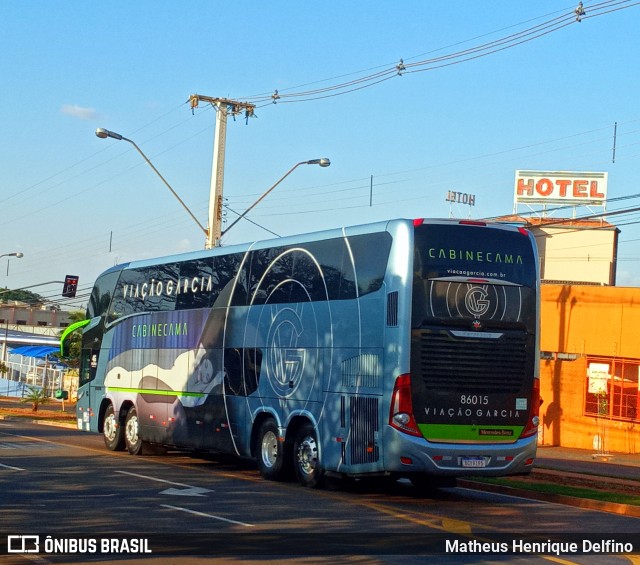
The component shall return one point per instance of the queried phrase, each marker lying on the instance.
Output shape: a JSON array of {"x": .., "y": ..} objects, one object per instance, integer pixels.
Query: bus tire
[
  {"x": 271, "y": 452},
  {"x": 131, "y": 435},
  {"x": 306, "y": 460},
  {"x": 112, "y": 431}
]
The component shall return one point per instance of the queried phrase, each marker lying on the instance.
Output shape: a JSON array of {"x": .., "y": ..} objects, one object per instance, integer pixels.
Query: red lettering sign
[{"x": 535, "y": 186}]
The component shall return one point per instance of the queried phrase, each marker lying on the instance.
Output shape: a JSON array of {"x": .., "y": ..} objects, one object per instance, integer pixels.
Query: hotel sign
[
  {"x": 560, "y": 187},
  {"x": 461, "y": 198}
]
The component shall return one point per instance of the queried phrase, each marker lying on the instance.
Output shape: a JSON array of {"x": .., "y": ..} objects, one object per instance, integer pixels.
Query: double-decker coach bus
[{"x": 402, "y": 348}]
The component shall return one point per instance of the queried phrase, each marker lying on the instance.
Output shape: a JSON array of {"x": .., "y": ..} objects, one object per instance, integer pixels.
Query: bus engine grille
[
  {"x": 364, "y": 429},
  {"x": 450, "y": 363}
]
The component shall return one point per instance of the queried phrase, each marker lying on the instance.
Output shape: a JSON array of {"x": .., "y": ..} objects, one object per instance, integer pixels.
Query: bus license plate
[{"x": 475, "y": 462}]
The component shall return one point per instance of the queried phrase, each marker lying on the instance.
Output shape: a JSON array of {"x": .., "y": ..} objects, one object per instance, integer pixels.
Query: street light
[
  {"x": 104, "y": 133},
  {"x": 17, "y": 254},
  {"x": 324, "y": 162}
]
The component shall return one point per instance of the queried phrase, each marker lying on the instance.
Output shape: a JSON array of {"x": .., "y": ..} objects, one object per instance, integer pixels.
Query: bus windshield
[{"x": 466, "y": 272}]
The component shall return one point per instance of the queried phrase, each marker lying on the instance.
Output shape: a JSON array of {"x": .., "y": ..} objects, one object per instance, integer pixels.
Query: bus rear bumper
[{"x": 406, "y": 455}]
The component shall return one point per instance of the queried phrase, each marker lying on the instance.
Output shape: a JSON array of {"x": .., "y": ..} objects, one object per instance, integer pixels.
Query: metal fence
[{"x": 26, "y": 371}]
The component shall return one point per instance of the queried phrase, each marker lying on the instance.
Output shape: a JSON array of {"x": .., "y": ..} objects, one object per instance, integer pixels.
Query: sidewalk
[{"x": 584, "y": 461}]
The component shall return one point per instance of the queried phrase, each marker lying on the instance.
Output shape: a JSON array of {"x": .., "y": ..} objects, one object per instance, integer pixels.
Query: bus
[{"x": 404, "y": 348}]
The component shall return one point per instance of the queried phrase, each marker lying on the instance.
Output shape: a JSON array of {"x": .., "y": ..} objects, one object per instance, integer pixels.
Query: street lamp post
[
  {"x": 324, "y": 162},
  {"x": 213, "y": 233},
  {"x": 17, "y": 254},
  {"x": 3, "y": 360},
  {"x": 104, "y": 133}
]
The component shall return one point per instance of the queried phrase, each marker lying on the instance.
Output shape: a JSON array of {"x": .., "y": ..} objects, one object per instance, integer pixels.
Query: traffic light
[{"x": 70, "y": 286}]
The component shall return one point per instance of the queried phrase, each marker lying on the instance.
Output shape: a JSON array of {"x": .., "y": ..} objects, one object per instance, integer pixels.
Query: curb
[
  {"x": 585, "y": 503},
  {"x": 67, "y": 425},
  {"x": 54, "y": 423}
]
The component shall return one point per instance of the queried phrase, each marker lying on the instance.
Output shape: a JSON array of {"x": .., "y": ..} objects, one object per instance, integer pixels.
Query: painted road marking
[
  {"x": 191, "y": 491},
  {"x": 195, "y": 512},
  {"x": 186, "y": 490},
  {"x": 10, "y": 467},
  {"x": 26, "y": 445}
]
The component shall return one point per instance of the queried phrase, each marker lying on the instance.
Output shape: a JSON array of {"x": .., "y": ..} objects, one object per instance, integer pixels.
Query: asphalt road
[{"x": 62, "y": 483}]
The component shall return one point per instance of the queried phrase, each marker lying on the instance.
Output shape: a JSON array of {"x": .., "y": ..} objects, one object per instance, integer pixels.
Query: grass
[{"x": 563, "y": 489}]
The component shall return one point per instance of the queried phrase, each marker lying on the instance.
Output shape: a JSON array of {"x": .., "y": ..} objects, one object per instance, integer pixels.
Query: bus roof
[{"x": 386, "y": 225}]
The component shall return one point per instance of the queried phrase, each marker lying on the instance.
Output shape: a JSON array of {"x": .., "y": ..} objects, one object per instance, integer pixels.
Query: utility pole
[{"x": 223, "y": 107}]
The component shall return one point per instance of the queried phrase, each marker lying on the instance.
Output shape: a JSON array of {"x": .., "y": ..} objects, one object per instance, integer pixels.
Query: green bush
[{"x": 36, "y": 396}]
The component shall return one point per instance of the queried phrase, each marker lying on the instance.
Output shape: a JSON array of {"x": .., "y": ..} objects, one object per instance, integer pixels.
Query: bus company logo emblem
[
  {"x": 476, "y": 325},
  {"x": 285, "y": 362},
  {"x": 476, "y": 300}
]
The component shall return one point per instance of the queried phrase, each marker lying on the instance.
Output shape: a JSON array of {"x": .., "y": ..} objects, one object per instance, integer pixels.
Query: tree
[
  {"x": 74, "y": 341},
  {"x": 25, "y": 296},
  {"x": 36, "y": 396}
]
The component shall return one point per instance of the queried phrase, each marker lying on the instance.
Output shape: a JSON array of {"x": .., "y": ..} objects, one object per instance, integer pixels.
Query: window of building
[
  {"x": 612, "y": 389},
  {"x": 567, "y": 356}
]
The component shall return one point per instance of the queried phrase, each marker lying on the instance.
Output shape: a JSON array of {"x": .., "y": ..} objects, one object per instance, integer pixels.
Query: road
[{"x": 64, "y": 484}]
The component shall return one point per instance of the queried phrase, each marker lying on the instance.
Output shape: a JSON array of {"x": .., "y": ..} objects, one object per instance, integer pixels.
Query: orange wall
[
  {"x": 562, "y": 420},
  {"x": 597, "y": 321},
  {"x": 594, "y": 320}
]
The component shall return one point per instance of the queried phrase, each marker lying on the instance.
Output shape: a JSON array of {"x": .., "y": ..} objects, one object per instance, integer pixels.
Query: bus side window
[
  {"x": 252, "y": 366},
  {"x": 88, "y": 365},
  {"x": 242, "y": 371},
  {"x": 198, "y": 276},
  {"x": 370, "y": 255},
  {"x": 232, "y": 372}
]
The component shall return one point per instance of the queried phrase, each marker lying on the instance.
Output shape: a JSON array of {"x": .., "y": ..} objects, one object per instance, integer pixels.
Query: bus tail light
[
  {"x": 534, "y": 419},
  {"x": 472, "y": 223},
  {"x": 401, "y": 412}
]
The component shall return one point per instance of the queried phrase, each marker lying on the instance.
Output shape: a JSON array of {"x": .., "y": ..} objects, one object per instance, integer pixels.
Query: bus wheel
[
  {"x": 132, "y": 439},
  {"x": 112, "y": 430},
  {"x": 305, "y": 457},
  {"x": 271, "y": 454}
]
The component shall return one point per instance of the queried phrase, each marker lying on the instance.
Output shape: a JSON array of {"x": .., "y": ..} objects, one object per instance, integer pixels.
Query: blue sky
[{"x": 76, "y": 204}]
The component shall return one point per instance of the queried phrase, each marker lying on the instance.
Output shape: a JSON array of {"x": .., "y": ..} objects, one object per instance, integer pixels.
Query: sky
[{"x": 76, "y": 204}]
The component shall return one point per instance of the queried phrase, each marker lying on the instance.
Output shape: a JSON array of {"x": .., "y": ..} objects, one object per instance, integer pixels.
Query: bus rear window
[{"x": 469, "y": 251}]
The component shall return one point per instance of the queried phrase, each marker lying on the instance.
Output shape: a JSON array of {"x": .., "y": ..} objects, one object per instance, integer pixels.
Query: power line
[
  {"x": 409, "y": 64},
  {"x": 404, "y": 68},
  {"x": 566, "y": 16}
]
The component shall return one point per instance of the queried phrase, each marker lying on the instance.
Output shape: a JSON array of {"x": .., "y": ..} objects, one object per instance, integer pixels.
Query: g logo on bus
[
  {"x": 285, "y": 362},
  {"x": 476, "y": 301}
]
